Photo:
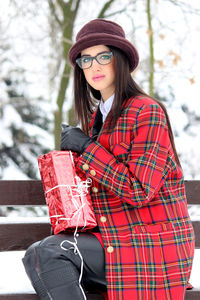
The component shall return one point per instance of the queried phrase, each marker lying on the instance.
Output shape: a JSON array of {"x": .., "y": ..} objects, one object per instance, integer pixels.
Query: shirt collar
[{"x": 105, "y": 107}]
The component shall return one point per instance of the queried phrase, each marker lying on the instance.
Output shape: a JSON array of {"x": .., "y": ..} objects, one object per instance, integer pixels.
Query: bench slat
[
  {"x": 29, "y": 192},
  {"x": 19, "y": 297},
  {"x": 192, "y": 188},
  {"x": 196, "y": 225},
  {"x": 193, "y": 294},
  {"x": 20, "y": 192},
  {"x": 90, "y": 296},
  {"x": 21, "y": 236}
]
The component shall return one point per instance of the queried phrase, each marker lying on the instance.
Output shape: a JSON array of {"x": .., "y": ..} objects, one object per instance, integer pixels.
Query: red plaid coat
[{"x": 139, "y": 200}]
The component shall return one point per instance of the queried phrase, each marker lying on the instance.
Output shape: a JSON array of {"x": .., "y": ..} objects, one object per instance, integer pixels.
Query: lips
[{"x": 98, "y": 77}]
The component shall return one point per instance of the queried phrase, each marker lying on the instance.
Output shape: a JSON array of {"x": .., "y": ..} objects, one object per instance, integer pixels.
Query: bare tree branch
[
  {"x": 185, "y": 7},
  {"x": 77, "y": 6},
  {"x": 115, "y": 13},
  {"x": 53, "y": 12},
  {"x": 105, "y": 8},
  {"x": 63, "y": 4}
]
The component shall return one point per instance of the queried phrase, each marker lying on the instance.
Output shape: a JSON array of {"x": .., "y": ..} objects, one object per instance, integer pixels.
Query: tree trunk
[
  {"x": 67, "y": 26},
  {"x": 151, "y": 49}
]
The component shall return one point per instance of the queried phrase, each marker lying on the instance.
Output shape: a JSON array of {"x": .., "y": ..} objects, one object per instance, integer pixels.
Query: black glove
[{"x": 74, "y": 139}]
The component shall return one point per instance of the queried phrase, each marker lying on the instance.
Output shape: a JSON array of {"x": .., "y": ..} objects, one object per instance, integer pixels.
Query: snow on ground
[{"x": 14, "y": 278}]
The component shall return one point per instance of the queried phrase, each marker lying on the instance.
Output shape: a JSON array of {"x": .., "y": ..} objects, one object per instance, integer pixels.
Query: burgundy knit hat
[{"x": 103, "y": 32}]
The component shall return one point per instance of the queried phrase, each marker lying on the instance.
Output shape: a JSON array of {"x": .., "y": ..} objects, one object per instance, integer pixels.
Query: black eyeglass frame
[{"x": 78, "y": 60}]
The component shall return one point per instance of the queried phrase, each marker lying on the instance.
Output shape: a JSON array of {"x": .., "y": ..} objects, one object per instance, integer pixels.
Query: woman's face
[{"x": 100, "y": 77}]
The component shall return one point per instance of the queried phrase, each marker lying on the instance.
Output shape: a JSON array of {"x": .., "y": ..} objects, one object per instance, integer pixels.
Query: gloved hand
[{"x": 74, "y": 139}]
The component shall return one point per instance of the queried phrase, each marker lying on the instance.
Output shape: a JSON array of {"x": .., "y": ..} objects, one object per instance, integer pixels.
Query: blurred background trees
[{"x": 36, "y": 85}]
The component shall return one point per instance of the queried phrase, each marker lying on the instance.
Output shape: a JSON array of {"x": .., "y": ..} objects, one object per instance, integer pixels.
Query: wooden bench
[{"x": 18, "y": 236}]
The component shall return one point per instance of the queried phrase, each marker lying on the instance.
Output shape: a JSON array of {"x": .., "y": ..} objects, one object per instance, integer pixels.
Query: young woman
[{"x": 145, "y": 247}]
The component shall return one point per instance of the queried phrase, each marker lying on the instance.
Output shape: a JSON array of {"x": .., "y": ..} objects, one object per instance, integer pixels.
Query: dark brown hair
[{"x": 87, "y": 98}]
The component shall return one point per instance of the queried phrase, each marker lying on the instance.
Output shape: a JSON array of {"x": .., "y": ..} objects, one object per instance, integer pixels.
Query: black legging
[{"x": 54, "y": 272}]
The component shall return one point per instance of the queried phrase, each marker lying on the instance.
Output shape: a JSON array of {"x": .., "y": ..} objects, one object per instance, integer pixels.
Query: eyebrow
[{"x": 96, "y": 54}]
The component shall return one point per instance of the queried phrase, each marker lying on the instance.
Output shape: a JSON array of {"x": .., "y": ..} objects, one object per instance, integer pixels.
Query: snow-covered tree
[{"x": 26, "y": 132}]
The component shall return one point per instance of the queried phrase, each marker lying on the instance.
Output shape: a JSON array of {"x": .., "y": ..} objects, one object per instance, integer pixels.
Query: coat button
[
  {"x": 110, "y": 249},
  {"x": 85, "y": 167},
  {"x": 95, "y": 189},
  {"x": 93, "y": 172},
  {"x": 103, "y": 219}
]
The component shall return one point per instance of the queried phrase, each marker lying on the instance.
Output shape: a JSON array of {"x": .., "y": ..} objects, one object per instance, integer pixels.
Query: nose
[{"x": 95, "y": 65}]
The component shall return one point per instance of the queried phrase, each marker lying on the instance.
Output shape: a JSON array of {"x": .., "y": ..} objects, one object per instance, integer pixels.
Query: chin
[{"x": 98, "y": 87}]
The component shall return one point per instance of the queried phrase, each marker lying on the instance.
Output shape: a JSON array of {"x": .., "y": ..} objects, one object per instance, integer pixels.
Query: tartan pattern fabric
[{"x": 140, "y": 204}]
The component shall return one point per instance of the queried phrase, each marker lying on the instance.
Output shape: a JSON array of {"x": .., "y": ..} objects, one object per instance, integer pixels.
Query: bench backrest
[{"x": 18, "y": 236}]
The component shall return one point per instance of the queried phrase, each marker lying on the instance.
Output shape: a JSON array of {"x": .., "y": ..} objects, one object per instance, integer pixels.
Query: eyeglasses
[{"x": 103, "y": 58}]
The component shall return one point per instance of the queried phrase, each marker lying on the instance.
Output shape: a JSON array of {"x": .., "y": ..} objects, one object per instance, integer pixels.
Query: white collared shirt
[{"x": 105, "y": 107}]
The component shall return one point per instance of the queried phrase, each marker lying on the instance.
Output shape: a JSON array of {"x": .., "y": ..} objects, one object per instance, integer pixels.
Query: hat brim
[{"x": 105, "y": 39}]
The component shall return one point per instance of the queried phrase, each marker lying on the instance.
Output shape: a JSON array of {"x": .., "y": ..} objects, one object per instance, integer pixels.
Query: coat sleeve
[{"x": 137, "y": 179}]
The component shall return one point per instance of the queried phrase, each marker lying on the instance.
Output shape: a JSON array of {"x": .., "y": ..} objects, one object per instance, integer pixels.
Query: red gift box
[{"x": 67, "y": 195}]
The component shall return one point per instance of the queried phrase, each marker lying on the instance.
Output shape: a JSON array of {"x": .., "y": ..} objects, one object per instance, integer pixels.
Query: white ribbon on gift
[{"x": 82, "y": 190}]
